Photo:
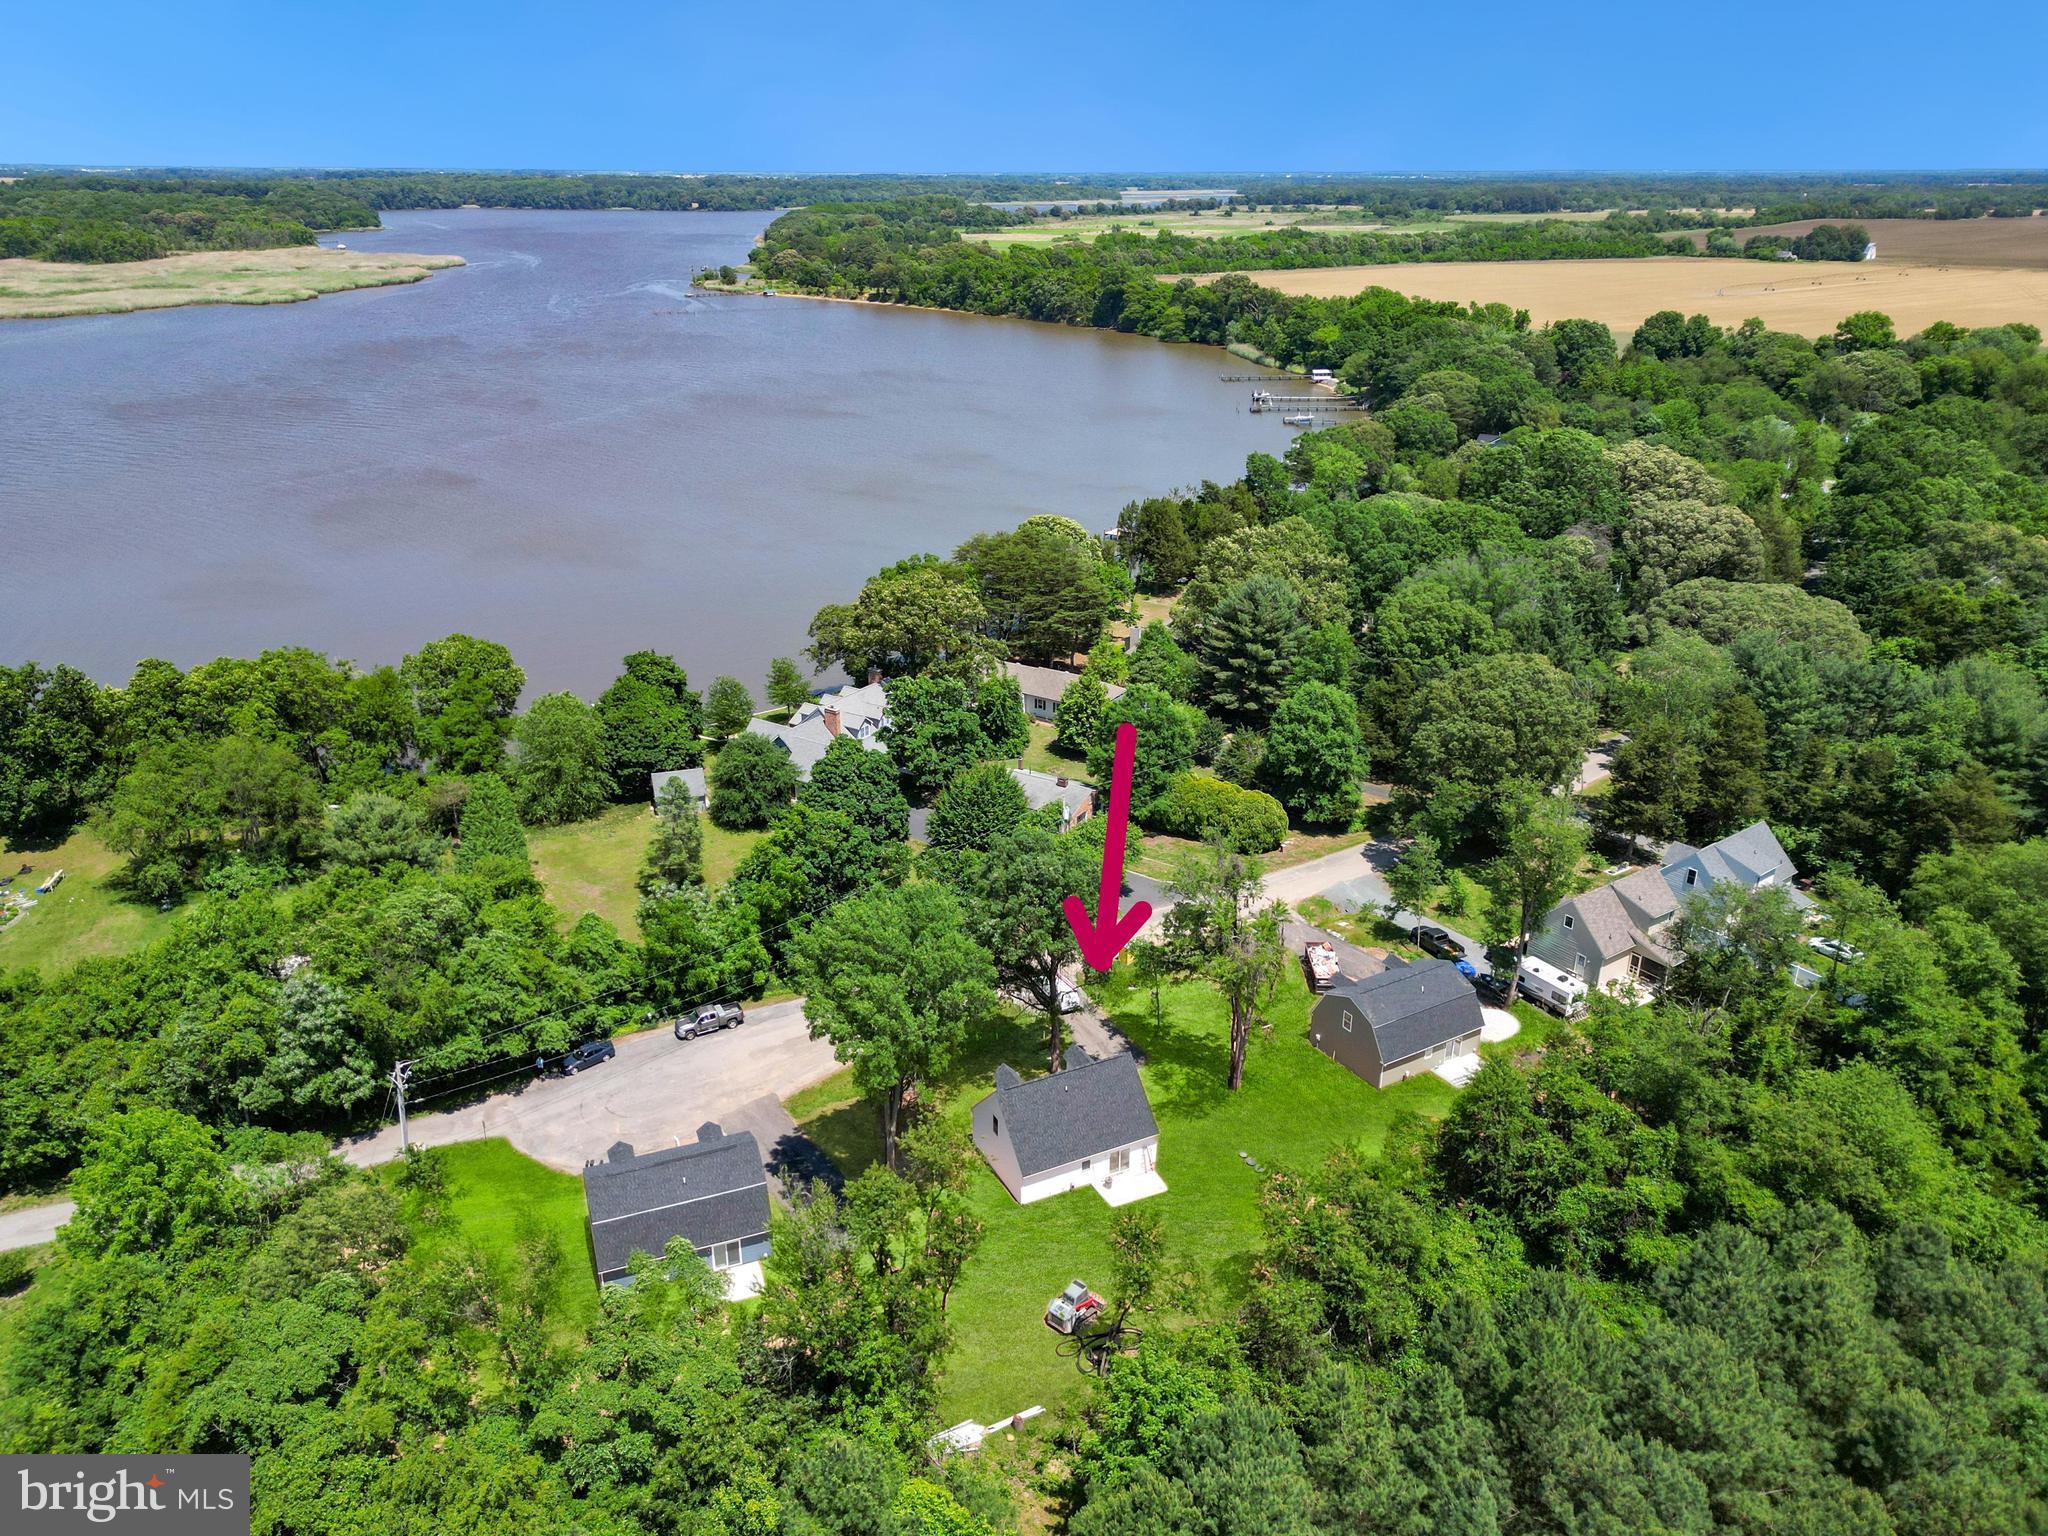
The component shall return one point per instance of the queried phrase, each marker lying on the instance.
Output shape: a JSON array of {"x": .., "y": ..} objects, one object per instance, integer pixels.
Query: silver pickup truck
[{"x": 709, "y": 1020}]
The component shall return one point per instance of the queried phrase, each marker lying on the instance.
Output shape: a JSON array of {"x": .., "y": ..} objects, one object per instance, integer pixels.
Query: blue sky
[{"x": 937, "y": 87}]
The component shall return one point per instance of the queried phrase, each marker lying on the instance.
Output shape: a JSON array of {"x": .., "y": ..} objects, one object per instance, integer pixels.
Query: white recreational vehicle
[{"x": 1548, "y": 987}]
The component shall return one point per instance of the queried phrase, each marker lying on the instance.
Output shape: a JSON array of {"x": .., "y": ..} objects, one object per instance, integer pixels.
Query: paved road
[
  {"x": 1351, "y": 878},
  {"x": 33, "y": 1225},
  {"x": 657, "y": 1089}
]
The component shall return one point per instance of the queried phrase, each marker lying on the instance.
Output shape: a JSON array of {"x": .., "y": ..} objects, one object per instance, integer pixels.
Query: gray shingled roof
[
  {"x": 1088, "y": 1109},
  {"x": 1050, "y": 682},
  {"x": 711, "y": 1191},
  {"x": 1414, "y": 1007},
  {"x": 1042, "y": 789},
  {"x": 693, "y": 780}
]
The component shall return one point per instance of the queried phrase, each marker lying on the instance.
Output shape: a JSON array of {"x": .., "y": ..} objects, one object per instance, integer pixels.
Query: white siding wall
[
  {"x": 1057, "y": 1181},
  {"x": 1002, "y": 1157}
]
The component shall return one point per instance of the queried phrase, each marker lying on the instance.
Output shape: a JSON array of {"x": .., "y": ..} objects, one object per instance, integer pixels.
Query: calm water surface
[{"x": 556, "y": 446}]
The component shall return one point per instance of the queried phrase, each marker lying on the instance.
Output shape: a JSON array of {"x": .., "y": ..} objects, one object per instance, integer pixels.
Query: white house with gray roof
[
  {"x": 1089, "y": 1126},
  {"x": 1616, "y": 935},
  {"x": 711, "y": 1193},
  {"x": 1042, "y": 688}
]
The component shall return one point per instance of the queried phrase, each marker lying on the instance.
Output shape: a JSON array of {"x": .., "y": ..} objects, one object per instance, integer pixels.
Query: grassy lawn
[
  {"x": 83, "y": 917},
  {"x": 493, "y": 1193},
  {"x": 590, "y": 866},
  {"x": 1294, "y": 1107},
  {"x": 1042, "y": 755}
]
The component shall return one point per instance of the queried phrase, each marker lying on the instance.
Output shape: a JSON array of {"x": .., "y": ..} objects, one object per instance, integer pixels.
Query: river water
[{"x": 556, "y": 446}]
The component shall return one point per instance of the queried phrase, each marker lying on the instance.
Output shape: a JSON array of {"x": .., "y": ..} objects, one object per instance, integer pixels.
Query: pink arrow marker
[{"x": 1103, "y": 939}]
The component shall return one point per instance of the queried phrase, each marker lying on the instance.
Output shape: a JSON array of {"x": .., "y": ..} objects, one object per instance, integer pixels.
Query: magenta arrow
[{"x": 1103, "y": 939}]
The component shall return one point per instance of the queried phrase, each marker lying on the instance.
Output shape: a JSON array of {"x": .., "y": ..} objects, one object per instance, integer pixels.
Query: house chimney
[
  {"x": 832, "y": 721},
  {"x": 874, "y": 676}
]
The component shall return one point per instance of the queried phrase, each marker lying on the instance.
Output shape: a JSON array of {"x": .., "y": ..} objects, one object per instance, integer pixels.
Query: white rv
[{"x": 1548, "y": 987}]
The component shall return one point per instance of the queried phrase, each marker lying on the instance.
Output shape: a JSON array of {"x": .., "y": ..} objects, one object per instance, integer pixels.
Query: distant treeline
[
  {"x": 150, "y": 213},
  {"x": 910, "y": 250},
  {"x": 1775, "y": 199},
  {"x": 99, "y": 218}
]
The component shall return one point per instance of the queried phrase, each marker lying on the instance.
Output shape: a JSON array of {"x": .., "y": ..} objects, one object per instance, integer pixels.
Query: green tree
[
  {"x": 1013, "y": 897},
  {"x": 1416, "y": 876},
  {"x": 1248, "y": 647},
  {"x": 999, "y": 706},
  {"x": 1653, "y": 781},
  {"x": 1043, "y": 592},
  {"x": 981, "y": 804},
  {"x": 54, "y": 733},
  {"x": 319, "y": 1070},
  {"x": 917, "y": 618},
  {"x": 1077, "y": 718},
  {"x": 560, "y": 773},
  {"x": 1492, "y": 720},
  {"x": 892, "y": 979},
  {"x": 1165, "y": 744},
  {"x": 1733, "y": 758},
  {"x": 463, "y": 691},
  {"x": 728, "y": 706},
  {"x": 697, "y": 949},
  {"x": 1541, "y": 847},
  {"x": 860, "y": 784},
  {"x": 490, "y": 825},
  {"x": 675, "y": 855},
  {"x": 372, "y": 830},
  {"x": 152, "y": 1181},
  {"x": 787, "y": 688},
  {"x": 1314, "y": 757},
  {"x": 751, "y": 781},
  {"x": 652, "y": 721},
  {"x": 1217, "y": 929},
  {"x": 934, "y": 732}
]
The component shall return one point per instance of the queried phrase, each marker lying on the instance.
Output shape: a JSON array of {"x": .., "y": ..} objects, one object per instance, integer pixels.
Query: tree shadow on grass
[{"x": 1185, "y": 1046}]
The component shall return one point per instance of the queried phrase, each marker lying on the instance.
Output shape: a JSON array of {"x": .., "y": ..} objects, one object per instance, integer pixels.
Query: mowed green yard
[
  {"x": 590, "y": 866},
  {"x": 495, "y": 1195},
  {"x": 1295, "y": 1106},
  {"x": 83, "y": 917}
]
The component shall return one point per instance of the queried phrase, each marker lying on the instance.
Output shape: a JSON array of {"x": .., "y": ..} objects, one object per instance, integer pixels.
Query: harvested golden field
[
  {"x": 45, "y": 289},
  {"x": 1934, "y": 242},
  {"x": 1806, "y": 297}
]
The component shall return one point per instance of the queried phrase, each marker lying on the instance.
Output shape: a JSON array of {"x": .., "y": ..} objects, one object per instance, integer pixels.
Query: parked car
[
  {"x": 588, "y": 1054},
  {"x": 710, "y": 1020},
  {"x": 1834, "y": 949},
  {"x": 1491, "y": 989},
  {"x": 1072, "y": 1307},
  {"x": 1438, "y": 942}
]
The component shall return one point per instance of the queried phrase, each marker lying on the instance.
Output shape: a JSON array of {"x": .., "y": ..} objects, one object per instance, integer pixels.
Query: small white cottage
[{"x": 1090, "y": 1125}]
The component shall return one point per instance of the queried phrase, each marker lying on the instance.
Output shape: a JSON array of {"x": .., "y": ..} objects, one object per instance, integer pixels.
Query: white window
[
  {"x": 1579, "y": 964},
  {"x": 1120, "y": 1162},
  {"x": 1347, "y": 1021},
  {"x": 1692, "y": 877},
  {"x": 1085, "y": 1163},
  {"x": 1567, "y": 922},
  {"x": 725, "y": 1255}
]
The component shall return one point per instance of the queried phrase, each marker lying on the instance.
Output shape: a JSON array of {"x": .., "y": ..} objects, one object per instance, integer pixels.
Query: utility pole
[{"x": 399, "y": 1074}]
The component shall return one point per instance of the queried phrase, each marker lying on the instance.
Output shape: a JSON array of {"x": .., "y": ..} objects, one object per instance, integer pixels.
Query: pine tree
[
  {"x": 490, "y": 824},
  {"x": 1248, "y": 648},
  {"x": 676, "y": 855},
  {"x": 1731, "y": 788}
]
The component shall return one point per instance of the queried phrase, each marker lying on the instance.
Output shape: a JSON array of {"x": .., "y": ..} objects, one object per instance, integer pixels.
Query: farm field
[
  {"x": 1935, "y": 242},
  {"x": 83, "y": 917},
  {"x": 1216, "y": 225},
  {"x": 46, "y": 289},
  {"x": 1806, "y": 297}
]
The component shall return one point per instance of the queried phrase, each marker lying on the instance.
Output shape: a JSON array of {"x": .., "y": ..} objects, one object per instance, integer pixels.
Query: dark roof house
[
  {"x": 1089, "y": 1124},
  {"x": 1408, "y": 1018},
  {"x": 712, "y": 1193}
]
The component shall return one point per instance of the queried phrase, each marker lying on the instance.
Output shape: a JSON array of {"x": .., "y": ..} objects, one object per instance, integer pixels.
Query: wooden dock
[{"x": 1262, "y": 401}]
